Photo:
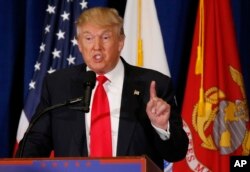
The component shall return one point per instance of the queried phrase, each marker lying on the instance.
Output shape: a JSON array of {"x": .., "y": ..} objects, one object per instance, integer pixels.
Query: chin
[{"x": 99, "y": 71}]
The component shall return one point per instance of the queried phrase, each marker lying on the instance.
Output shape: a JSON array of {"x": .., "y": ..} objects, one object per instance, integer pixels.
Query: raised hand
[{"x": 157, "y": 109}]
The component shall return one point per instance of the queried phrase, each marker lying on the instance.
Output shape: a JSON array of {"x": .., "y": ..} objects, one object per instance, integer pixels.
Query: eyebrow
[{"x": 105, "y": 31}]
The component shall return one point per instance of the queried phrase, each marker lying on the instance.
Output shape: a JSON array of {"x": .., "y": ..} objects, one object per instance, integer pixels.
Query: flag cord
[
  {"x": 200, "y": 59},
  {"x": 139, "y": 38}
]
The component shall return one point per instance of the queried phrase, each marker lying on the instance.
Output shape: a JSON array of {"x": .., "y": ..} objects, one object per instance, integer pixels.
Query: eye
[
  {"x": 88, "y": 38},
  {"x": 106, "y": 37}
]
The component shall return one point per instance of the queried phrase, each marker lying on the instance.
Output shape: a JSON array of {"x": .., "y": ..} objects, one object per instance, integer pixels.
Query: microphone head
[{"x": 90, "y": 79}]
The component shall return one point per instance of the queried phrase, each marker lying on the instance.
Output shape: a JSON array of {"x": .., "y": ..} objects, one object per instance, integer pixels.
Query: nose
[{"x": 97, "y": 43}]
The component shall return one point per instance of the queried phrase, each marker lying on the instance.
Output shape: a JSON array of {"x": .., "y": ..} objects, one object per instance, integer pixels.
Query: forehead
[{"x": 95, "y": 29}]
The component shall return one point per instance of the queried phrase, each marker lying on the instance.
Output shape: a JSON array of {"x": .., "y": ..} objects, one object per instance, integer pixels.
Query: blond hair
[{"x": 101, "y": 16}]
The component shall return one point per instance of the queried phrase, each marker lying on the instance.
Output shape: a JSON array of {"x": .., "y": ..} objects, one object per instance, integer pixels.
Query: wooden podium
[{"x": 118, "y": 164}]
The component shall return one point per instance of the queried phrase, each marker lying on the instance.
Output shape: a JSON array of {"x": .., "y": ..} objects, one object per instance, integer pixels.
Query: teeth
[{"x": 98, "y": 56}]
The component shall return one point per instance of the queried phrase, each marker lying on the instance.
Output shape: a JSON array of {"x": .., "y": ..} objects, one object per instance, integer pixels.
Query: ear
[
  {"x": 121, "y": 43},
  {"x": 79, "y": 44}
]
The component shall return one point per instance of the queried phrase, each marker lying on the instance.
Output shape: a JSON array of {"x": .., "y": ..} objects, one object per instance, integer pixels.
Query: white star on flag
[
  {"x": 65, "y": 16},
  {"x": 56, "y": 53},
  {"x": 71, "y": 60},
  {"x": 74, "y": 41},
  {"x": 37, "y": 66},
  {"x": 47, "y": 29},
  {"x": 42, "y": 47},
  {"x": 60, "y": 35},
  {"x": 51, "y": 9},
  {"x": 32, "y": 84},
  {"x": 51, "y": 70},
  {"x": 84, "y": 4}
]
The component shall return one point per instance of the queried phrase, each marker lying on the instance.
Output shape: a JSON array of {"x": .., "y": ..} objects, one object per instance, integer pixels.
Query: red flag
[{"x": 214, "y": 110}]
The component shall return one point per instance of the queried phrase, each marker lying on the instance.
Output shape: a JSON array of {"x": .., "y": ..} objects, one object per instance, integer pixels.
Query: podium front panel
[{"x": 76, "y": 165}]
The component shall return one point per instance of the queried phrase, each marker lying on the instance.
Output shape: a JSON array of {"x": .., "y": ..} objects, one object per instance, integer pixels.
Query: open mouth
[{"x": 97, "y": 57}]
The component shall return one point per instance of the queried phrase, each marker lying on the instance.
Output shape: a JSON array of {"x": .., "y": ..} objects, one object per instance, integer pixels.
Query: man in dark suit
[{"x": 144, "y": 116}]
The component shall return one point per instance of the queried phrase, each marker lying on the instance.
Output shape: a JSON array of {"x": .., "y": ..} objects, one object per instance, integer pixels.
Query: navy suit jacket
[{"x": 63, "y": 129}]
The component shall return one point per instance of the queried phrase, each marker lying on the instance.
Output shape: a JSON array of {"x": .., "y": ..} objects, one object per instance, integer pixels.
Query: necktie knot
[{"x": 101, "y": 79}]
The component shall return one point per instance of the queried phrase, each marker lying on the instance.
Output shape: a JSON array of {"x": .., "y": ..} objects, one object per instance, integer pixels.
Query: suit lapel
[{"x": 130, "y": 105}]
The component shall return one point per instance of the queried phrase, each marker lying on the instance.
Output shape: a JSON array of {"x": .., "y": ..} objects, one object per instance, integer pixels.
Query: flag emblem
[{"x": 229, "y": 118}]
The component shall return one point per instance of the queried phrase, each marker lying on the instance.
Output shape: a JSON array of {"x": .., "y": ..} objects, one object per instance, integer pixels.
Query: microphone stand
[{"x": 67, "y": 103}]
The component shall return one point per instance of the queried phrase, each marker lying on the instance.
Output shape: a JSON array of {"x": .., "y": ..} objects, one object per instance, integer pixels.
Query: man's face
[{"x": 100, "y": 46}]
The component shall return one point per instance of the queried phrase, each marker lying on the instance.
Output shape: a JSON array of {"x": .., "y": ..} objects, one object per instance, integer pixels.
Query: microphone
[
  {"x": 89, "y": 84},
  {"x": 89, "y": 81}
]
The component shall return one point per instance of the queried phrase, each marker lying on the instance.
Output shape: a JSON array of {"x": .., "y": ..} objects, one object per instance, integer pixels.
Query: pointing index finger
[{"x": 152, "y": 90}]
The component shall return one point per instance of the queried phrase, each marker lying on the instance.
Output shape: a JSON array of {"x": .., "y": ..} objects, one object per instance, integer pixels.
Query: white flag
[{"x": 141, "y": 18}]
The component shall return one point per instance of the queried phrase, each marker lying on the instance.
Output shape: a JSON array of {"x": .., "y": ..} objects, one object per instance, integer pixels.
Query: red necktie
[{"x": 100, "y": 131}]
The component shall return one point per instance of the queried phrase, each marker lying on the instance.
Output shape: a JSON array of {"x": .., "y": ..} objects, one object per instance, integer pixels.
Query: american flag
[{"x": 58, "y": 50}]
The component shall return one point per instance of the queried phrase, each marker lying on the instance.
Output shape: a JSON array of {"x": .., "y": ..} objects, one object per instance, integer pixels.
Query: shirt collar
[{"x": 115, "y": 76}]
